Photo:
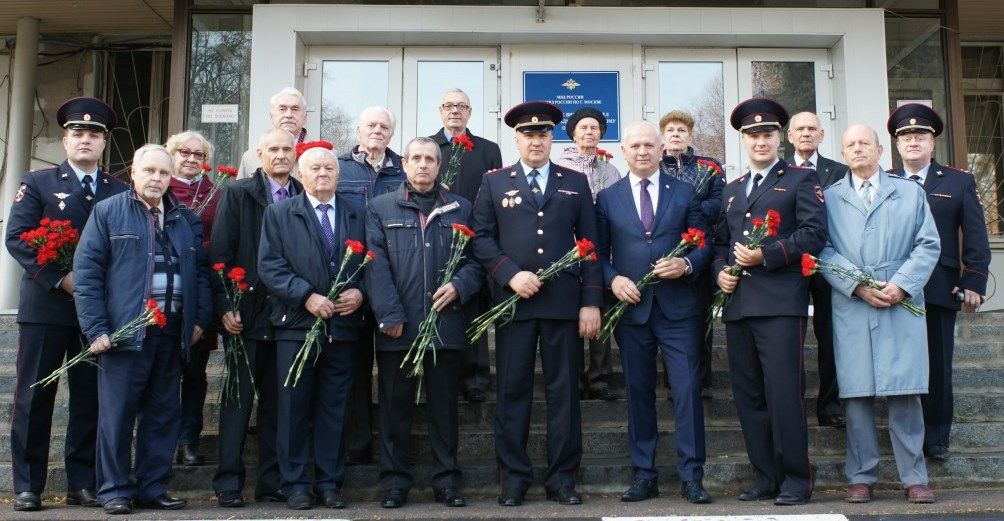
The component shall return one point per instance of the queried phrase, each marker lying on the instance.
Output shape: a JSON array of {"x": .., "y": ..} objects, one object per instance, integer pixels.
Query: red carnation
[
  {"x": 585, "y": 247},
  {"x": 307, "y": 145},
  {"x": 757, "y": 222},
  {"x": 464, "y": 141},
  {"x": 773, "y": 222},
  {"x": 694, "y": 236},
  {"x": 227, "y": 170},
  {"x": 356, "y": 247},
  {"x": 462, "y": 228},
  {"x": 593, "y": 257},
  {"x": 159, "y": 318},
  {"x": 236, "y": 274},
  {"x": 370, "y": 256},
  {"x": 151, "y": 304},
  {"x": 205, "y": 167},
  {"x": 243, "y": 286},
  {"x": 808, "y": 265},
  {"x": 219, "y": 267}
]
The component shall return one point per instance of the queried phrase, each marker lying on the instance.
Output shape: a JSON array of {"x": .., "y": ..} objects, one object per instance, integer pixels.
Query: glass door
[{"x": 704, "y": 83}]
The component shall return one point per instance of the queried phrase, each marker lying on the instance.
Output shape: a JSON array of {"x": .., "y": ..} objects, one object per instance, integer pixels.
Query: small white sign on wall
[{"x": 219, "y": 113}]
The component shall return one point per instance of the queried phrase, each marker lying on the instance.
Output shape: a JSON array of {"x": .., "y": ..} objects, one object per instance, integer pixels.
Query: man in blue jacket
[
  {"x": 302, "y": 246},
  {"x": 640, "y": 219},
  {"x": 141, "y": 245},
  {"x": 411, "y": 231}
]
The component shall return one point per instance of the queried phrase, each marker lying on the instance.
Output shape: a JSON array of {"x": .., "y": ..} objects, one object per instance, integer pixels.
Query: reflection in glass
[
  {"x": 219, "y": 73},
  {"x": 984, "y": 135},
  {"x": 348, "y": 87},
  {"x": 792, "y": 84},
  {"x": 435, "y": 78},
  {"x": 697, "y": 88}
]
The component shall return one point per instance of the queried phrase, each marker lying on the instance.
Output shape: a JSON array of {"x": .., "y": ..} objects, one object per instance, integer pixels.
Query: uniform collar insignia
[{"x": 64, "y": 176}]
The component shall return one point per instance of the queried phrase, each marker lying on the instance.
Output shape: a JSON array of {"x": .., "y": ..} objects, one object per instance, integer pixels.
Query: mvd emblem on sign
[{"x": 572, "y": 90}]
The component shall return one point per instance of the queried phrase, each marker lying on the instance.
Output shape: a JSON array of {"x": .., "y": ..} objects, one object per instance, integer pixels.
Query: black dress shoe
[
  {"x": 270, "y": 497},
  {"x": 476, "y": 395},
  {"x": 564, "y": 496},
  {"x": 299, "y": 501},
  {"x": 450, "y": 497},
  {"x": 641, "y": 490},
  {"x": 510, "y": 497},
  {"x": 27, "y": 502},
  {"x": 118, "y": 506},
  {"x": 694, "y": 492},
  {"x": 165, "y": 502},
  {"x": 756, "y": 494},
  {"x": 603, "y": 393},
  {"x": 833, "y": 420},
  {"x": 936, "y": 452},
  {"x": 230, "y": 499},
  {"x": 358, "y": 458},
  {"x": 83, "y": 497},
  {"x": 333, "y": 498},
  {"x": 394, "y": 498},
  {"x": 188, "y": 456},
  {"x": 791, "y": 498}
]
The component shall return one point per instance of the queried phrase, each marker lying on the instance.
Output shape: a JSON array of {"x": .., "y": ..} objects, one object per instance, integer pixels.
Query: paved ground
[{"x": 972, "y": 505}]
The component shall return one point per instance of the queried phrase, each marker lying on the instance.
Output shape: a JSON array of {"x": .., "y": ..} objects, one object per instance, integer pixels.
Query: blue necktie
[
  {"x": 329, "y": 233},
  {"x": 538, "y": 194}
]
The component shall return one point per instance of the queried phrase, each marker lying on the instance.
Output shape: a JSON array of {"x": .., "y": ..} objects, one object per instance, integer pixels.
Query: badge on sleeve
[
  {"x": 819, "y": 194},
  {"x": 20, "y": 193}
]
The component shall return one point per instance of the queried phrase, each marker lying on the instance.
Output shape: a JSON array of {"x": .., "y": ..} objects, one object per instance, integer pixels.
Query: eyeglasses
[
  {"x": 449, "y": 107},
  {"x": 200, "y": 155}
]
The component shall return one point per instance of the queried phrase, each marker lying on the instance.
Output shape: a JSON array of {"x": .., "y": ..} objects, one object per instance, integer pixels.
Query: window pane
[
  {"x": 697, "y": 88},
  {"x": 435, "y": 78},
  {"x": 220, "y": 71},
  {"x": 916, "y": 61},
  {"x": 981, "y": 68},
  {"x": 983, "y": 131},
  {"x": 792, "y": 84},
  {"x": 348, "y": 87}
]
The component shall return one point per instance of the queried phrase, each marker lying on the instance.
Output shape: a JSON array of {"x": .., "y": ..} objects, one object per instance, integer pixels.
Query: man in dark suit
[
  {"x": 957, "y": 279},
  {"x": 805, "y": 133},
  {"x": 302, "y": 244},
  {"x": 455, "y": 110},
  {"x": 236, "y": 237},
  {"x": 48, "y": 329},
  {"x": 765, "y": 318},
  {"x": 528, "y": 216},
  {"x": 640, "y": 219}
]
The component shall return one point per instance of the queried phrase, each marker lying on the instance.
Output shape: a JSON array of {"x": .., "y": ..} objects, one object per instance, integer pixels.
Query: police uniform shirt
[
  {"x": 763, "y": 175},
  {"x": 80, "y": 177},
  {"x": 922, "y": 173},
  {"x": 653, "y": 191},
  {"x": 542, "y": 171}
]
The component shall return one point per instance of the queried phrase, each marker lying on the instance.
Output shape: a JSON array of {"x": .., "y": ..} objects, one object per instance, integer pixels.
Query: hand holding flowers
[
  {"x": 234, "y": 354},
  {"x": 875, "y": 293},
  {"x": 746, "y": 256}
]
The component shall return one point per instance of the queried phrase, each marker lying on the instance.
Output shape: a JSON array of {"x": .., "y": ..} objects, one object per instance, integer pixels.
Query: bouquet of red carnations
[
  {"x": 459, "y": 145},
  {"x": 812, "y": 265},
  {"x": 150, "y": 316},
  {"x": 762, "y": 228},
  {"x": 504, "y": 311},
  {"x": 224, "y": 174},
  {"x": 706, "y": 172},
  {"x": 692, "y": 238},
  {"x": 313, "y": 340},
  {"x": 53, "y": 241},
  {"x": 234, "y": 354}
]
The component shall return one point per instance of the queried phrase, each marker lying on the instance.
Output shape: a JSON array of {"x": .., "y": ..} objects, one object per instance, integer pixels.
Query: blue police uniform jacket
[
  {"x": 114, "y": 263},
  {"x": 514, "y": 235},
  {"x": 294, "y": 262},
  {"x": 955, "y": 205},
  {"x": 55, "y": 193},
  {"x": 777, "y": 287},
  {"x": 625, "y": 250}
]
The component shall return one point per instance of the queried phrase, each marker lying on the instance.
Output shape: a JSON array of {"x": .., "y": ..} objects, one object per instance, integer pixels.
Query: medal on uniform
[
  {"x": 511, "y": 199},
  {"x": 61, "y": 196},
  {"x": 728, "y": 205}
]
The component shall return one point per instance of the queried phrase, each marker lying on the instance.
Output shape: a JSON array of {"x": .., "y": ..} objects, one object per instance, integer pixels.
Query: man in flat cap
[
  {"x": 957, "y": 280},
  {"x": 527, "y": 216},
  {"x": 765, "y": 318},
  {"x": 49, "y": 332}
]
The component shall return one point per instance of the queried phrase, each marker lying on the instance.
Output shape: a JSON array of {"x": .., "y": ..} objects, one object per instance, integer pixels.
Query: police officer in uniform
[
  {"x": 765, "y": 319},
  {"x": 527, "y": 216},
  {"x": 956, "y": 280},
  {"x": 49, "y": 332}
]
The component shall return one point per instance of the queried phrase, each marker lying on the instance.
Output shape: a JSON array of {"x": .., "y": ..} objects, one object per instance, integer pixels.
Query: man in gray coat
[{"x": 881, "y": 225}]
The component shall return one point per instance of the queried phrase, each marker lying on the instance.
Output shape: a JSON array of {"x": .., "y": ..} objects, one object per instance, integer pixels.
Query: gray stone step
[{"x": 722, "y": 476}]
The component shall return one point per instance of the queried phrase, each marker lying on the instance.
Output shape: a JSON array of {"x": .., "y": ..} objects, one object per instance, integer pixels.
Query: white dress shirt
[{"x": 653, "y": 191}]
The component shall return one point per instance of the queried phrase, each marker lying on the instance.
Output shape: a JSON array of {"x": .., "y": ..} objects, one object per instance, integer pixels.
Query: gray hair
[
  {"x": 174, "y": 143},
  {"x": 422, "y": 140},
  {"x": 456, "y": 90},
  {"x": 377, "y": 108},
  {"x": 287, "y": 91},
  {"x": 151, "y": 147},
  {"x": 310, "y": 153},
  {"x": 263, "y": 137}
]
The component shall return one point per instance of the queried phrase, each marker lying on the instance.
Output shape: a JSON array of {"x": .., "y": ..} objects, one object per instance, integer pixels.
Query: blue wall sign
[{"x": 573, "y": 90}]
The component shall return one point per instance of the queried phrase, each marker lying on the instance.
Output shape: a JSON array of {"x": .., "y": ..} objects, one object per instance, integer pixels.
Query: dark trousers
[
  {"x": 939, "y": 403},
  {"x": 677, "y": 343},
  {"x": 317, "y": 401},
  {"x": 706, "y": 286},
  {"x": 475, "y": 366},
  {"x": 560, "y": 357},
  {"x": 234, "y": 418},
  {"x": 193, "y": 391},
  {"x": 145, "y": 386},
  {"x": 768, "y": 382},
  {"x": 359, "y": 414},
  {"x": 827, "y": 402},
  {"x": 596, "y": 373},
  {"x": 41, "y": 350},
  {"x": 397, "y": 409}
]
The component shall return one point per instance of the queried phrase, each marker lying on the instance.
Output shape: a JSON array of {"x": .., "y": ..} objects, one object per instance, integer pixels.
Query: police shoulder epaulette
[
  {"x": 796, "y": 167},
  {"x": 891, "y": 171},
  {"x": 741, "y": 178},
  {"x": 499, "y": 170}
]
